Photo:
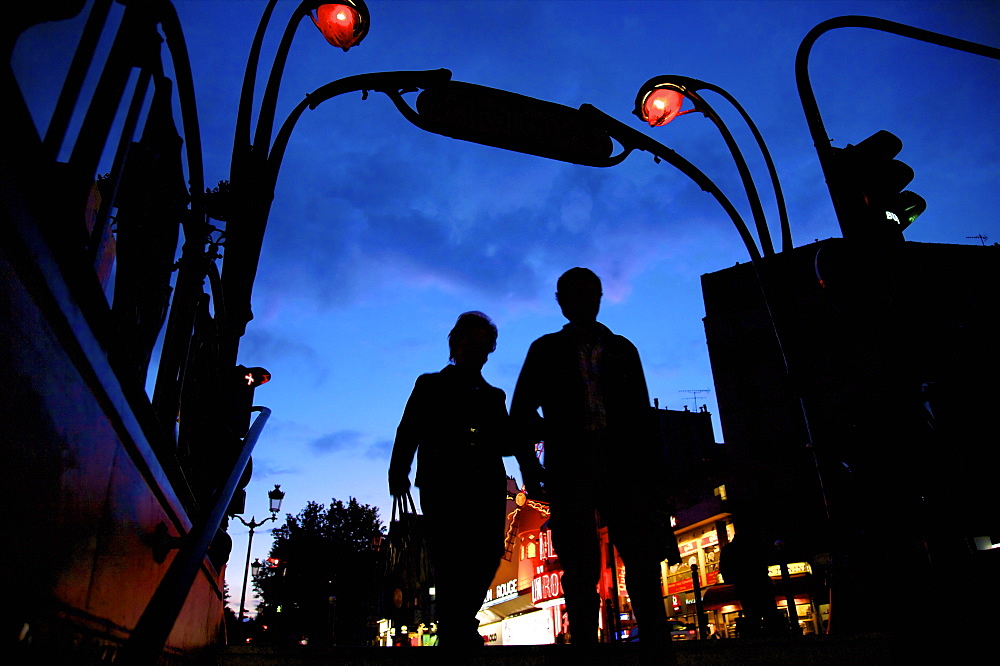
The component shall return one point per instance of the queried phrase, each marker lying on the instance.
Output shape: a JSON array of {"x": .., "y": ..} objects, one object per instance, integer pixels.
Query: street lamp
[
  {"x": 659, "y": 101},
  {"x": 343, "y": 25},
  {"x": 275, "y": 496}
]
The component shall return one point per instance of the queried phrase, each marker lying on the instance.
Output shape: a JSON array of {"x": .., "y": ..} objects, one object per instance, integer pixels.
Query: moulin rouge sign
[
  {"x": 504, "y": 591},
  {"x": 546, "y": 587}
]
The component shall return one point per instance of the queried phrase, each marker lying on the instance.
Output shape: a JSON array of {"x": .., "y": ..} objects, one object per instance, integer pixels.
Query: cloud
[
  {"x": 353, "y": 442},
  {"x": 500, "y": 239},
  {"x": 380, "y": 450},
  {"x": 265, "y": 342},
  {"x": 284, "y": 356},
  {"x": 265, "y": 468},
  {"x": 343, "y": 441}
]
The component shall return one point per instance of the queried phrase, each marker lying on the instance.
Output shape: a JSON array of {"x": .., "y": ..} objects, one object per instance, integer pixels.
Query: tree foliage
[{"x": 324, "y": 579}]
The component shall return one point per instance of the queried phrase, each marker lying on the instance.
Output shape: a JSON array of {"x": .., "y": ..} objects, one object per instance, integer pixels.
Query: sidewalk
[{"x": 875, "y": 649}]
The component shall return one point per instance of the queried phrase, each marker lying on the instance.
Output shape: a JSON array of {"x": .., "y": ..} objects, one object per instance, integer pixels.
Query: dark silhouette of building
[{"x": 887, "y": 354}]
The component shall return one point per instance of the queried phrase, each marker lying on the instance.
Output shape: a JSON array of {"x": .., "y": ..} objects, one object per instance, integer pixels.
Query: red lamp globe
[
  {"x": 661, "y": 106},
  {"x": 341, "y": 25}
]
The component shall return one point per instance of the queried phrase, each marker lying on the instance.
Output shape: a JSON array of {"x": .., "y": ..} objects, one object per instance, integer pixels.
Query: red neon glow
[
  {"x": 661, "y": 106},
  {"x": 546, "y": 587},
  {"x": 257, "y": 376},
  {"x": 339, "y": 24}
]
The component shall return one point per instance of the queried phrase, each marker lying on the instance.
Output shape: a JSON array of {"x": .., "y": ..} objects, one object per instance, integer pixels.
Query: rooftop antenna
[
  {"x": 982, "y": 238},
  {"x": 694, "y": 395}
]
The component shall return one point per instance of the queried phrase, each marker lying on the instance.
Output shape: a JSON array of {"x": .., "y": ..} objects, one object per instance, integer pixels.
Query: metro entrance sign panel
[{"x": 503, "y": 119}]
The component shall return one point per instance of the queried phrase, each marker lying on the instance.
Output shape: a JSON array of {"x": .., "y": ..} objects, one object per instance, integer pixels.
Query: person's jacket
[
  {"x": 457, "y": 425},
  {"x": 586, "y": 379}
]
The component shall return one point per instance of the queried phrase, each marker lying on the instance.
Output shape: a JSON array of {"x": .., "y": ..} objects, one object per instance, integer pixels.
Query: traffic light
[
  {"x": 254, "y": 377},
  {"x": 246, "y": 380},
  {"x": 867, "y": 187}
]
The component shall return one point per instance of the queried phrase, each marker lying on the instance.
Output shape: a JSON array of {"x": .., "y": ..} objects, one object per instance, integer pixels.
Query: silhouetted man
[{"x": 596, "y": 424}]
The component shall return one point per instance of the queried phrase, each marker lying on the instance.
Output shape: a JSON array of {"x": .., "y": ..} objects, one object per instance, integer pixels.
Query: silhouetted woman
[{"x": 456, "y": 424}]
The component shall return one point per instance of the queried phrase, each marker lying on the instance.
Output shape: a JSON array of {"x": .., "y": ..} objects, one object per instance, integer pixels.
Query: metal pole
[
  {"x": 753, "y": 196},
  {"x": 614, "y": 603},
  {"x": 786, "y": 584},
  {"x": 153, "y": 628},
  {"x": 246, "y": 569},
  {"x": 632, "y": 139},
  {"x": 699, "y": 606},
  {"x": 786, "y": 232}
]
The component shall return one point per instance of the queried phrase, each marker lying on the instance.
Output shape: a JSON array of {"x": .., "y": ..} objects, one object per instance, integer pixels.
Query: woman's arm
[{"x": 409, "y": 433}]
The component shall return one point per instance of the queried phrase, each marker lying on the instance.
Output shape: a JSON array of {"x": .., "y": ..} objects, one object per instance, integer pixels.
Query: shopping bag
[{"x": 408, "y": 566}]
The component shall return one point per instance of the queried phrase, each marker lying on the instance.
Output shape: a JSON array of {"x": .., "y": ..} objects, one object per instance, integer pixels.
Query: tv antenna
[
  {"x": 982, "y": 238},
  {"x": 694, "y": 395}
]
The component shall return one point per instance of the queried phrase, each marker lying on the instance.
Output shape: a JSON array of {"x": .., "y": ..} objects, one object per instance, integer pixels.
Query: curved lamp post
[
  {"x": 343, "y": 24},
  {"x": 246, "y": 206},
  {"x": 275, "y": 496},
  {"x": 660, "y": 100},
  {"x": 631, "y": 139}
]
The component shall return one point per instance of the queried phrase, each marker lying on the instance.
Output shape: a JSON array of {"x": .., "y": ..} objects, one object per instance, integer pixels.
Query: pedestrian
[
  {"x": 600, "y": 455},
  {"x": 457, "y": 425}
]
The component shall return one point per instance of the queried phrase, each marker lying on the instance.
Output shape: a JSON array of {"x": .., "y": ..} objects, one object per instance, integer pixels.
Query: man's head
[{"x": 578, "y": 292}]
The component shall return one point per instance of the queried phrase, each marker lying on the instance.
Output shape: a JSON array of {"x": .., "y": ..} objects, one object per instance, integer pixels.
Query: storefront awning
[
  {"x": 717, "y": 596},
  {"x": 519, "y": 604}
]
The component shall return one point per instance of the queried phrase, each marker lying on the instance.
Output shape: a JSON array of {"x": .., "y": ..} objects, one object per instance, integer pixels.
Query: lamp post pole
[
  {"x": 688, "y": 87},
  {"x": 763, "y": 271},
  {"x": 343, "y": 24},
  {"x": 246, "y": 571},
  {"x": 634, "y": 140},
  {"x": 275, "y": 496}
]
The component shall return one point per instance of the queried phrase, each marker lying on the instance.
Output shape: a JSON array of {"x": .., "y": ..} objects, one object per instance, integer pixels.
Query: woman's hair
[{"x": 470, "y": 323}]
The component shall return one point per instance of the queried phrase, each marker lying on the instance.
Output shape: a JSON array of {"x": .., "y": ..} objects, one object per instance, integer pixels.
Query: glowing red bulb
[
  {"x": 661, "y": 106},
  {"x": 339, "y": 24}
]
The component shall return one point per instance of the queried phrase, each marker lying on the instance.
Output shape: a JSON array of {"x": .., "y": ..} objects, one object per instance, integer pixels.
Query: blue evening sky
[{"x": 381, "y": 234}]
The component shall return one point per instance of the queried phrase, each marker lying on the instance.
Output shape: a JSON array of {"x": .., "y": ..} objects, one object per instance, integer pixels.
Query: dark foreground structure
[
  {"x": 857, "y": 390},
  {"x": 119, "y": 529},
  {"x": 857, "y": 384}
]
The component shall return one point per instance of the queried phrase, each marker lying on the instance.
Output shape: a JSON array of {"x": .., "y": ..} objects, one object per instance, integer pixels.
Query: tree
[
  {"x": 232, "y": 623},
  {"x": 323, "y": 579}
]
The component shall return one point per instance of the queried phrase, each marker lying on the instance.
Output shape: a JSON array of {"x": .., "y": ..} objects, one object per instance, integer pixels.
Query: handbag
[{"x": 409, "y": 570}]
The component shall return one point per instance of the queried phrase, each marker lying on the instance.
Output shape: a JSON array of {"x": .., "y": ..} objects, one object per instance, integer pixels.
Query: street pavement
[{"x": 807, "y": 650}]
